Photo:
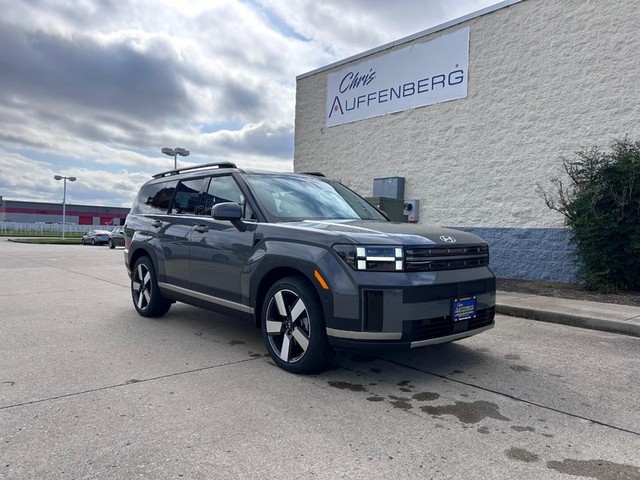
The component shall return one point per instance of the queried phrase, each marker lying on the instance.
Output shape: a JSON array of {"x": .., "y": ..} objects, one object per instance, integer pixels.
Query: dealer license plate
[{"x": 464, "y": 309}]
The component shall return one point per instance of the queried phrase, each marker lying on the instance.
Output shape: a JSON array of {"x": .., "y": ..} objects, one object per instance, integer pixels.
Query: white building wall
[{"x": 546, "y": 78}]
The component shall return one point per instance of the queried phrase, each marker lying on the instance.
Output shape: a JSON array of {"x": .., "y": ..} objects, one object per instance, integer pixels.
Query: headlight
[{"x": 375, "y": 258}]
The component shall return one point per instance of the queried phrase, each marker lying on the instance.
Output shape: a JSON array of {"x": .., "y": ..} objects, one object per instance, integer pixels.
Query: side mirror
[{"x": 229, "y": 211}]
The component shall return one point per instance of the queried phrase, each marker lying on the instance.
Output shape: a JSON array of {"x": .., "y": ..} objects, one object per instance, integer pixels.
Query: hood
[{"x": 389, "y": 233}]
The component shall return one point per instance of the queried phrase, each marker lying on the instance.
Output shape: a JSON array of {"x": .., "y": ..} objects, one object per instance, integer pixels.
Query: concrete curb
[{"x": 604, "y": 325}]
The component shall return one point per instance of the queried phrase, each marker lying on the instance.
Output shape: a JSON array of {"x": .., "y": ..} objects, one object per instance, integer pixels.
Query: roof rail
[
  {"x": 195, "y": 167},
  {"x": 315, "y": 174}
]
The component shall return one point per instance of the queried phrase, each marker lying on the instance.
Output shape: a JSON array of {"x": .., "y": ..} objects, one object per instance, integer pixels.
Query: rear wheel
[
  {"x": 93, "y": 241},
  {"x": 147, "y": 299},
  {"x": 293, "y": 327}
]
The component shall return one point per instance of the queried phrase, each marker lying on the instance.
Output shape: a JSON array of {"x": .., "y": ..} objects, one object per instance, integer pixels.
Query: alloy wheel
[
  {"x": 141, "y": 286},
  {"x": 288, "y": 326}
]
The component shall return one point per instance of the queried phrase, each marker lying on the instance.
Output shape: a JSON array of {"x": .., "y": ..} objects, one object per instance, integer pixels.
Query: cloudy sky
[{"x": 95, "y": 88}]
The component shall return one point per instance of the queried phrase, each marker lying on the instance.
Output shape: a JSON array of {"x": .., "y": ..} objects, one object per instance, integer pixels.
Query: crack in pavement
[
  {"x": 124, "y": 384},
  {"x": 511, "y": 397},
  {"x": 68, "y": 271}
]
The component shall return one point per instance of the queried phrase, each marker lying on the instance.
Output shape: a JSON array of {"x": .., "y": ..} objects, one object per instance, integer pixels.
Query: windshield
[{"x": 288, "y": 197}]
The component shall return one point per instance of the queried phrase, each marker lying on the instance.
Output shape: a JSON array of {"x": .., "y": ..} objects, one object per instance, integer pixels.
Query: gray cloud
[
  {"x": 79, "y": 71},
  {"x": 265, "y": 139}
]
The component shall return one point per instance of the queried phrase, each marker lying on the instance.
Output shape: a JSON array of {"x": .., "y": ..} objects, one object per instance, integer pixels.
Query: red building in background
[{"x": 32, "y": 212}]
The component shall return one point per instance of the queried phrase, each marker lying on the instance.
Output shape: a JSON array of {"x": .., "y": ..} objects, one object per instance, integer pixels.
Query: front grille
[
  {"x": 430, "y": 259},
  {"x": 417, "y": 330}
]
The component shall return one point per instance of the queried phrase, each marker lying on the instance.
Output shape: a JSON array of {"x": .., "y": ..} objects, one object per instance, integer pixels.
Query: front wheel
[
  {"x": 111, "y": 244},
  {"x": 293, "y": 327},
  {"x": 93, "y": 241},
  {"x": 147, "y": 299}
]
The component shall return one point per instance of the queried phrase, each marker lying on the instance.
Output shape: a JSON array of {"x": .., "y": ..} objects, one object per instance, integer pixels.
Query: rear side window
[
  {"x": 154, "y": 198},
  {"x": 188, "y": 199}
]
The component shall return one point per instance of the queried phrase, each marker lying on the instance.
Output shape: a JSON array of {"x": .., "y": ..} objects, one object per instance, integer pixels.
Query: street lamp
[
  {"x": 64, "y": 199},
  {"x": 174, "y": 152}
]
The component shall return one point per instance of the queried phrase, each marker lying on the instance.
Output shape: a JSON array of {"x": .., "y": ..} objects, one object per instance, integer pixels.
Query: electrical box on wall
[
  {"x": 411, "y": 210},
  {"x": 390, "y": 187},
  {"x": 392, "y": 207}
]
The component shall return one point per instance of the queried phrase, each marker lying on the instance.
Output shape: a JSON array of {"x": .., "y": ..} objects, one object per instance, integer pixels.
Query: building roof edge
[{"x": 423, "y": 33}]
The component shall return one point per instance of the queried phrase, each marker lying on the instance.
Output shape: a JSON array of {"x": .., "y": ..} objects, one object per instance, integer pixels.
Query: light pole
[
  {"x": 174, "y": 152},
  {"x": 64, "y": 199}
]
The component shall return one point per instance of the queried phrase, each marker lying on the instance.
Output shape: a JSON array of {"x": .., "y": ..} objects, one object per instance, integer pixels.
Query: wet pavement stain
[
  {"x": 400, "y": 402},
  {"x": 426, "y": 396},
  {"x": 235, "y": 342},
  {"x": 405, "y": 383},
  {"x": 375, "y": 398},
  {"x": 467, "y": 412},
  {"x": 198, "y": 334},
  {"x": 522, "y": 455},
  {"x": 512, "y": 357},
  {"x": 548, "y": 435},
  {"x": 519, "y": 428},
  {"x": 375, "y": 370},
  {"x": 456, "y": 372},
  {"x": 599, "y": 469},
  {"x": 520, "y": 368},
  {"x": 404, "y": 389},
  {"x": 483, "y": 430},
  {"x": 354, "y": 387}
]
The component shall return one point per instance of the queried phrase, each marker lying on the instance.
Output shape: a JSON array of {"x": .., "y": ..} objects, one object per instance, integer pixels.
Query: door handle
[
  {"x": 201, "y": 228},
  {"x": 156, "y": 224}
]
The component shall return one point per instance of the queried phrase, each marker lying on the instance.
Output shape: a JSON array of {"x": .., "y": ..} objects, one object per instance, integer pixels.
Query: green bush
[{"x": 601, "y": 205}]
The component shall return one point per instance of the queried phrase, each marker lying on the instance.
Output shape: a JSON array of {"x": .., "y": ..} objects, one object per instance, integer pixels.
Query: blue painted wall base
[{"x": 530, "y": 253}]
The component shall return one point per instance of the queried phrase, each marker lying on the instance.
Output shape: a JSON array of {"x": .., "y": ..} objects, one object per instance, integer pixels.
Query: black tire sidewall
[{"x": 319, "y": 354}]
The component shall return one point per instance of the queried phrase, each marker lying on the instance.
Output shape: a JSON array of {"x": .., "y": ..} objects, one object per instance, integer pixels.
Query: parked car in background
[
  {"x": 96, "y": 237},
  {"x": 116, "y": 238}
]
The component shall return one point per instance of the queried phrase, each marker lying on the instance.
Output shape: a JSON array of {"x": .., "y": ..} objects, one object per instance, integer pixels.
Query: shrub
[{"x": 601, "y": 205}]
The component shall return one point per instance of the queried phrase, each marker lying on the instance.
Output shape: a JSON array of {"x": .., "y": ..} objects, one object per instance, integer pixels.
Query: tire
[
  {"x": 93, "y": 241},
  {"x": 293, "y": 327},
  {"x": 146, "y": 296},
  {"x": 111, "y": 244}
]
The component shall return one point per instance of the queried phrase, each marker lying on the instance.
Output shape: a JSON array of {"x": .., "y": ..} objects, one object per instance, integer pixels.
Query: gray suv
[{"x": 310, "y": 262}]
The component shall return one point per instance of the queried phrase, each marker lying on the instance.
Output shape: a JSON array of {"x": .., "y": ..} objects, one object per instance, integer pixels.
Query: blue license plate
[{"x": 464, "y": 309}]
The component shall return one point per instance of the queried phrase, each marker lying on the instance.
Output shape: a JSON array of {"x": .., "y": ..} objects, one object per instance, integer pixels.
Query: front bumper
[{"x": 409, "y": 310}]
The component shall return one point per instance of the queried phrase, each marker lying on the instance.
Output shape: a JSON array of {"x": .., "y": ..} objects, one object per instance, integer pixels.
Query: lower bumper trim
[
  {"x": 333, "y": 332},
  {"x": 449, "y": 338}
]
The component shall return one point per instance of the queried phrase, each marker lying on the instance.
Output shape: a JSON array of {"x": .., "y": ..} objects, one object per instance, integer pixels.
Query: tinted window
[
  {"x": 154, "y": 198},
  {"x": 225, "y": 189},
  {"x": 287, "y": 197},
  {"x": 188, "y": 199}
]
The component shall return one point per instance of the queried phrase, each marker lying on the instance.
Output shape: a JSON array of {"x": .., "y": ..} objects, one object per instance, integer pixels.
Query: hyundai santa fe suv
[{"x": 310, "y": 262}]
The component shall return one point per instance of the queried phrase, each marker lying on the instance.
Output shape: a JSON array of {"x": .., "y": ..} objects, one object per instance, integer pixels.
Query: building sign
[{"x": 419, "y": 75}]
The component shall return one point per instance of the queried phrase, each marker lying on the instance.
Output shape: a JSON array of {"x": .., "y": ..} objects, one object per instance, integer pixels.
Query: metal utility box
[
  {"x": 393, "y": 207},
  {"x": 412, "y": 210},
  {"x": 389, "y": 187}
]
